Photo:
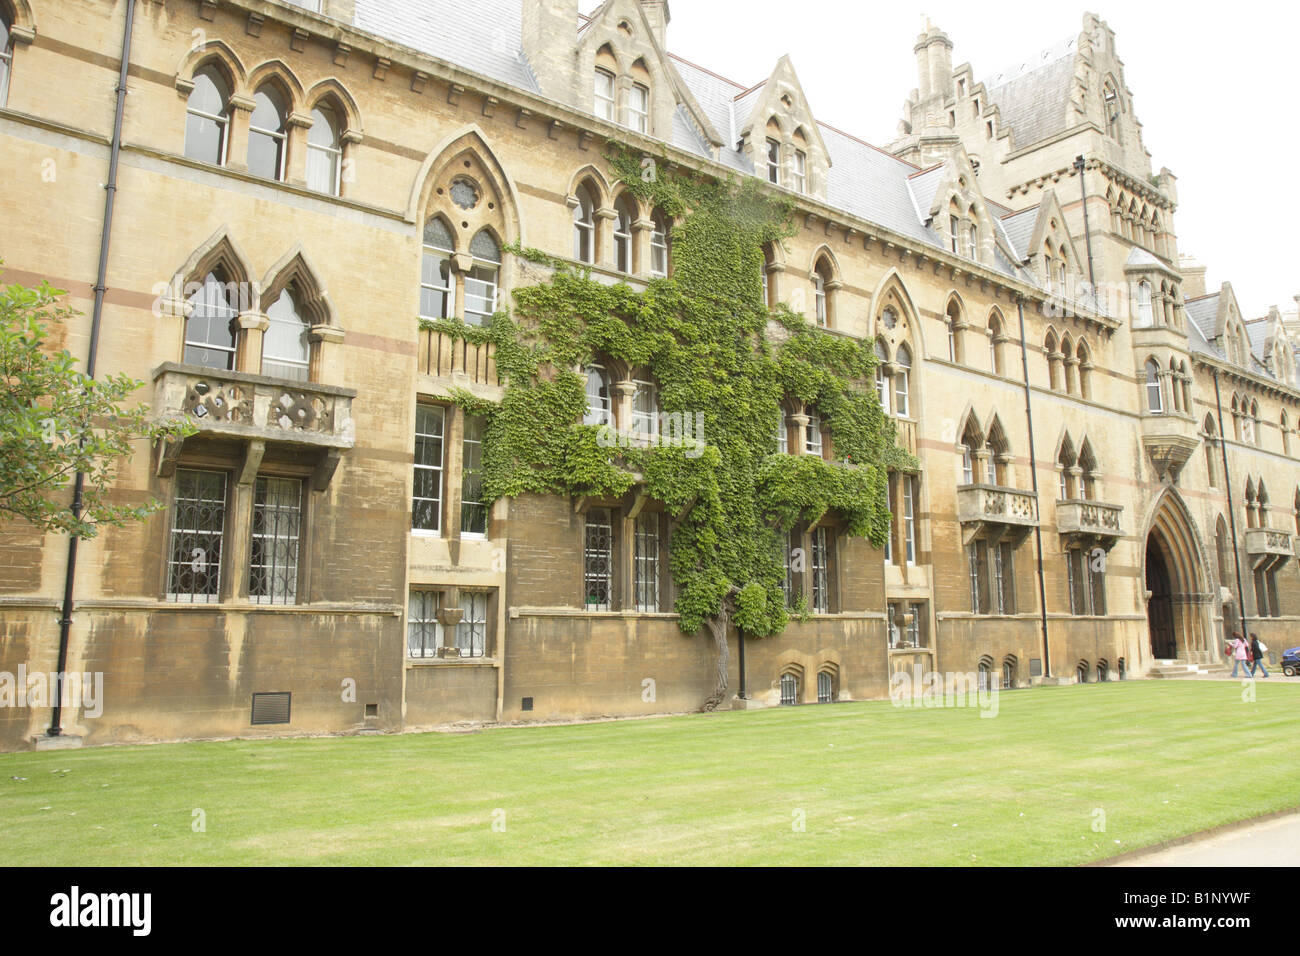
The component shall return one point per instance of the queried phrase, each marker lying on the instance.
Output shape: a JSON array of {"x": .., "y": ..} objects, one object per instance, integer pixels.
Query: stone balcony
[
  {"x": 1090, "y": 521},
  {"x": 995, "y": 511},
  {"x": 1268, "y": 549},
  {"x": 254, "y": 410}
]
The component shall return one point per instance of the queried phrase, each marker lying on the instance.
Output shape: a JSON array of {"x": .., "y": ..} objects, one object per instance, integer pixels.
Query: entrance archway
[
  {"x": 1179, "y": 597},
  {"x": 1160, "y": 610}
]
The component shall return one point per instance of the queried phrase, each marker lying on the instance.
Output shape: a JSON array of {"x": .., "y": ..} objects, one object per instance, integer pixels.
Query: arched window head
[
  {"x": 584, "y": 225},
  {"x": 821, "y": 279},
  {"x": 599, "y": 406},
  {"x": 437, "y": 295},
  {"x": 1155, "y": 397},
  {"x": 902, "y": 381},
  {"x": 658, "y": 245},
  {"x": 207, "y": 117},
  {"x": 953, "y": 321},
  {"x": 995, "y": 344},
  {"x": 623, "y": 235},
  {"x": 286, "y": 344},
  {"x": 324, "y": 151},
  {"x": 482, "y": 279},
  {"x": 211, "y": 328},
  {"x": 266, "y": 133}
]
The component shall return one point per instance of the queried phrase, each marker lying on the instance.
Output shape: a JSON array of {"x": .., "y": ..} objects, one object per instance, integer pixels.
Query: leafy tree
[{"x": 55, "y": 421}]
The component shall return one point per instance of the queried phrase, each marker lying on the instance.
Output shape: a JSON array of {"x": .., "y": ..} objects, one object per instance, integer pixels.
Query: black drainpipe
[
  {"x": 1087, "y": 233},
  {"x": 1232, "y": 520},
  {"x": 1033, "y": 477},
  {"x": 78, "y": 486},
  {"x": 740, "y": 640}
]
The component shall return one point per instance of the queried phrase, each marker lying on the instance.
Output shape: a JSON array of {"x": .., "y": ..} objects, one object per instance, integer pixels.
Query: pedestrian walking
[
  {"x": 1239, "y": 647},
  {"x": 1257, "y": 649}
]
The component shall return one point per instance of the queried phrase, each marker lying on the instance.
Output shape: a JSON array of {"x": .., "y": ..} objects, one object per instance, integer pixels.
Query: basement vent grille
[
  {"x": 271, "y": 708},
  {"x": 526, "y": 704}
]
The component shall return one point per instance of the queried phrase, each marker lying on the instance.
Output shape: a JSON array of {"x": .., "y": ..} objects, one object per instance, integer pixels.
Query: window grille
[
  {"x": 647, "y": 563},
  {"x": 423, "y": 632},
  {"x": 198, "y": 529},
  {"x": 277, "y": 521},
  {"x": 598, "y": 560}
]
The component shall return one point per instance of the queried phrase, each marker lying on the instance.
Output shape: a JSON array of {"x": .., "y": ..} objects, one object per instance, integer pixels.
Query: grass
[{"x": 875, "y": 784}]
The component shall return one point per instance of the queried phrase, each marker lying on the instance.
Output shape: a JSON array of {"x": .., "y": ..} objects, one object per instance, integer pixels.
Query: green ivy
[{"x": 704, "y": 335}]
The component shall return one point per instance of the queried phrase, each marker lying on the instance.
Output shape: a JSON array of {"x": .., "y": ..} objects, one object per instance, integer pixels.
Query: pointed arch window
[
  {"x": 1146, "y": 317},
  {"x": 954, "y": 322},
  {"x": 800, "y": 171},
  {"x": 1088, "y": 472},
  {"x": 1211, "y": 468},
  {"x": 902, "y": 381},
  {"x": 1053, "y": 362},
  {"x": 882, "y": 376},
  {"x": 482, "y": 279},
  {"x": 437, "y": 297},
  {"x": 600, "y": 410},
  {"x": 605, "y": 95},
  {"x": 1065, "y": 462},
  {"x": 658, "y": 246},
  {"x": 995, "y": 344},
  {"x": 584, "y": 225},
  {"x": 286, "y": 345},
  {"x": 207, "y": 117},
  {"x": 623, "y": 235},
  {"x": 813, "y": 441},
  {"x": 638, "y": 108},
  {"x": 266, "y": 134},
  {"x": 1155, "y": 398},
  {"x": 645, "y": 409},
  {"x": 1084, "y": 370},
  {"x": 211, "y": 329},
  {"x": 6, "y": 58},
  {"x": 324, "y": 151}
]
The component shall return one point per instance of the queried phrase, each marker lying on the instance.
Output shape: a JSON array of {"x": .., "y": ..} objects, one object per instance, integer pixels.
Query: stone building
[{"x": 300, "y": 182}]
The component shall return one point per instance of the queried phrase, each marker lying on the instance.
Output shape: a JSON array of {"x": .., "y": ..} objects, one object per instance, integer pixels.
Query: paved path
[{"x": 1274, "y": 842}]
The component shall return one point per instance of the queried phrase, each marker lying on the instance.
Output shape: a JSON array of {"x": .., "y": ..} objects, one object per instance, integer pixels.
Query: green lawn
[{"x": 875, "y": 784}]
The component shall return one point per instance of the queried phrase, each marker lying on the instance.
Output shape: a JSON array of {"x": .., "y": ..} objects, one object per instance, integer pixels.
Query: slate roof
[
  {"x": 1033, "y": 96},
  {"x": 1202, "y": 314},
  {"x": 483, "y": 36},
  {"x": 1019, "y": 229}
]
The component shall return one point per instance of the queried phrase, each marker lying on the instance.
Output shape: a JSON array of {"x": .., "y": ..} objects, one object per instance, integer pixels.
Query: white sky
[{"x": 1213, "y": 86}]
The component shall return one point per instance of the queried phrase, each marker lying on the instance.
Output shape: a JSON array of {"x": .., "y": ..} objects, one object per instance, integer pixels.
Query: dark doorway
[{"x": 1160, "y": 612}]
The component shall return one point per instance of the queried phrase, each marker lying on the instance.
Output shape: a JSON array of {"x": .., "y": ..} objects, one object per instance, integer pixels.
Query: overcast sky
[{"x": 1213, "y": 85}]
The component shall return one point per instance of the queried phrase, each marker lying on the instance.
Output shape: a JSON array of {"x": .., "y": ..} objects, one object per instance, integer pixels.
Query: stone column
[
  {"x": 601, "y": 254},
  {"x": 248, "y": 348},
  {"x": 641, "y": 230},
  {"x": 621, "y": 404},
  {"x": 799, "y": 433},
  {"x": 327, "y": 354},
  {"x": 241, "y": 112},
  {"x": 295, "y": 141}
]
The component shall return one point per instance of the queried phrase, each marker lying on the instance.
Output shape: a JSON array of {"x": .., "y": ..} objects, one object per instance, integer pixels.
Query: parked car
[{"x": 1291, "y": 662}]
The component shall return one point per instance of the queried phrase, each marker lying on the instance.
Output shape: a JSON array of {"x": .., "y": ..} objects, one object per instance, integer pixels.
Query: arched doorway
[
  {"x": 1160, "y": 611},
  {"x": 1179, "y": 598}
]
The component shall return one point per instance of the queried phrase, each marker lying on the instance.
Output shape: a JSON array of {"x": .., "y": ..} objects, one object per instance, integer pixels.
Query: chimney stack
[
  {"x": 657, "y": 14},
  {"x": 934, "y": 65},
  {"x": 1193, "y": 277},
  {"x": 549, "y": 33}
]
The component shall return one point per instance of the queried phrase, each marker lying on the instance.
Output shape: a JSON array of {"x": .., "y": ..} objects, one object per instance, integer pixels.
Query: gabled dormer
[
  {"x": 622, "y": 72},
  {"x": 1229, "y": 330},
  {"x": 1278, "y": 355},
  {"x": 777, "y": 131},
  {"x": 1050, "y": 253},
  {"x": 950, "y": 202}
]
